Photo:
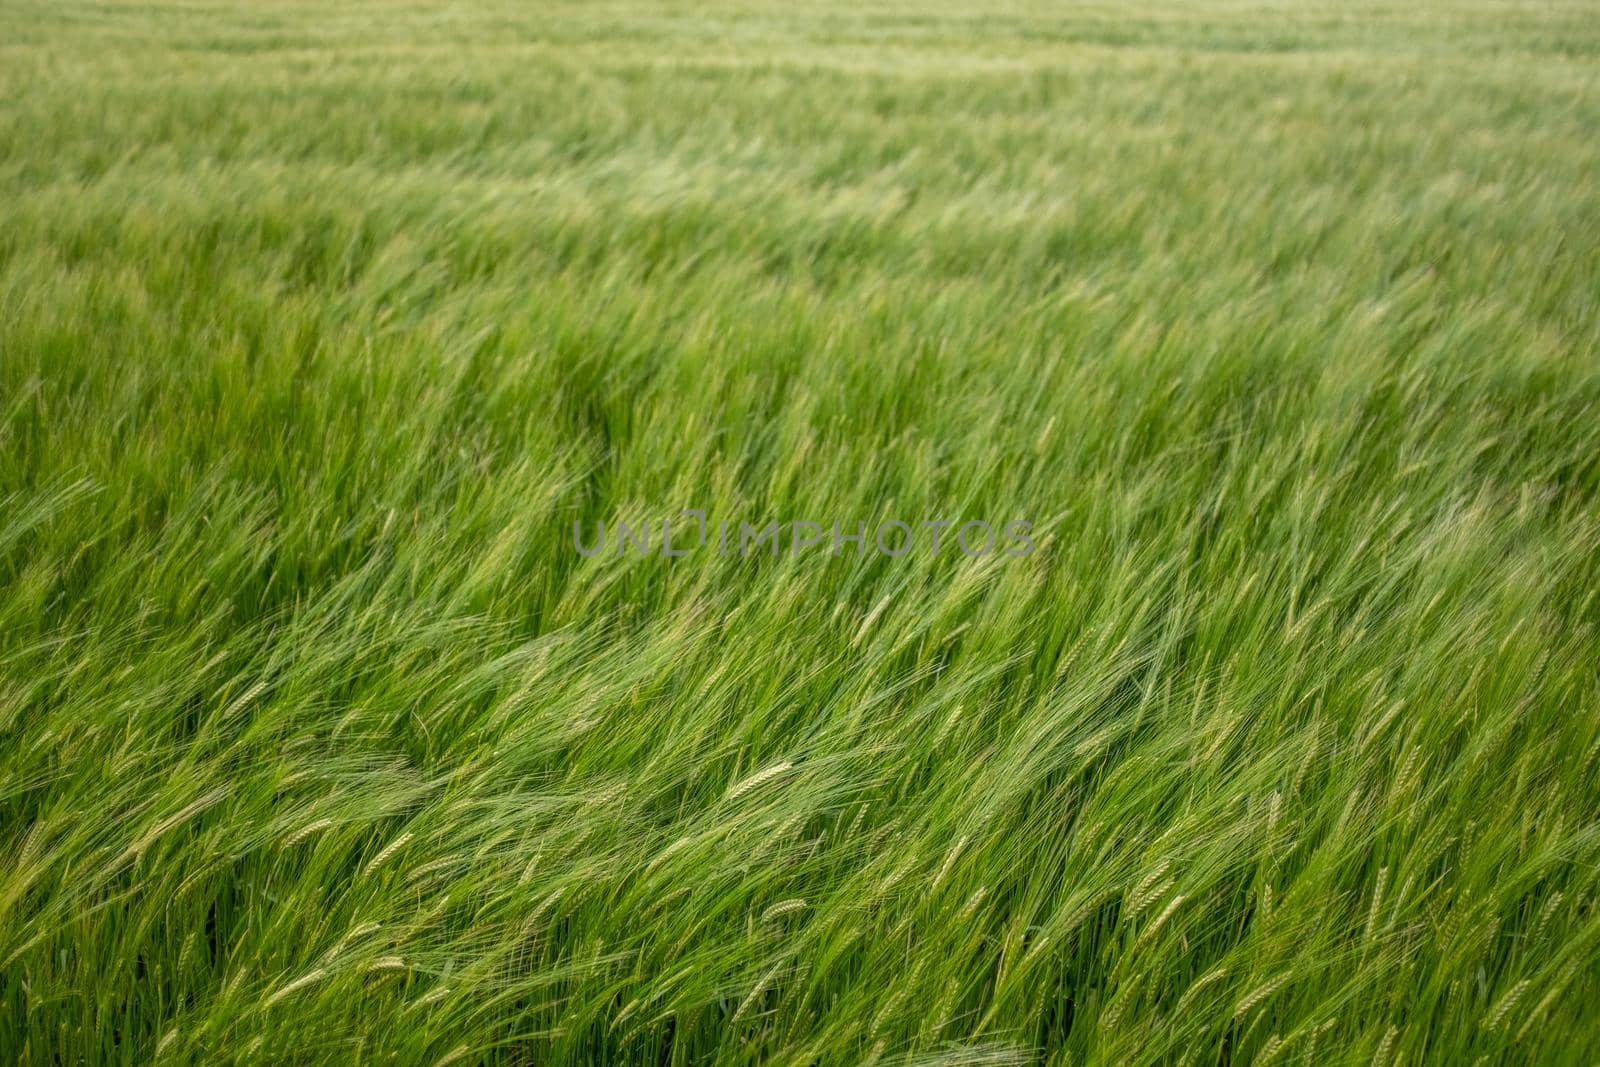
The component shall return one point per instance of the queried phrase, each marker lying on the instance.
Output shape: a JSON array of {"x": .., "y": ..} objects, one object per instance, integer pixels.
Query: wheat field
[{"x": 332, "y": 335}]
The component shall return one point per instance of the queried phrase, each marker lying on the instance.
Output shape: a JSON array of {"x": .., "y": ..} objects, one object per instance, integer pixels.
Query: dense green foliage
[{"x": 320, "y": 742}]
